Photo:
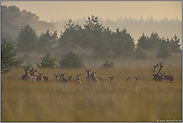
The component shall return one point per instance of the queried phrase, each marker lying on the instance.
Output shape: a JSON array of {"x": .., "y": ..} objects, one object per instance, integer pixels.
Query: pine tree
[
  {"x": 139, "y": 53},
  {"x": 26, "y": 39},
  {"x": 175, "y": 43},
  {"x": 163, "y": 50},
  {"x": 143, "y": 42},
  {"x": 8, "y": 54},
  {"x": 47, "y": 62},
  {"x": 71, "y": 60}
]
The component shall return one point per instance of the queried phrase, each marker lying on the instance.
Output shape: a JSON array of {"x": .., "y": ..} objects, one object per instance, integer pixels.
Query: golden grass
[{"x": 120, "y": 100}]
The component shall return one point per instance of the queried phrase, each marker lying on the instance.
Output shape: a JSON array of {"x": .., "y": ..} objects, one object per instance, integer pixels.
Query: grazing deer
[
  {"x": 57, "y": 77},
  {"x": 162, "y": 77},
  {"x": 26, "y": 77},
  {"x": 39, "y": 77}
]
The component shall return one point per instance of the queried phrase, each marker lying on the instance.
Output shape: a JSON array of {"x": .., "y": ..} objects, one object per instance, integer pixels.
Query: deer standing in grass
[
  {"x": 33, "y": 76},
  {"x": 91, "y": 77},
  {"x": 45, "y": 78},
  {"x": 56, "y": 76},
  {"x": 39, "y": 77},
  {"x": 63, "y": 77},
  {"x": 78, "y": 78},
  {"x": 162, "y": 77},
  {"x": 26, "y": 77}
]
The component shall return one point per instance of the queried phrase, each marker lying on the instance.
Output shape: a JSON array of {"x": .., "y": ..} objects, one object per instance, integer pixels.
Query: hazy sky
[{"x": 113, "y": 10}]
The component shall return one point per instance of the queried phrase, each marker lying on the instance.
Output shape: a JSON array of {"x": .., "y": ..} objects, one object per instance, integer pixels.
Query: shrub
[
  {"x": 108, "y": 64},
  {"x": 47, "y": 62},
  {"x": 71, "y": 60}
]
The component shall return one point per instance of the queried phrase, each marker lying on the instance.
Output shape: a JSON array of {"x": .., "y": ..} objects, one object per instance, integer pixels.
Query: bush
[
  {"x": 108, "y": 64},
  {"x": 71, "y": 60},
  {"x": 47, "y": 62}
]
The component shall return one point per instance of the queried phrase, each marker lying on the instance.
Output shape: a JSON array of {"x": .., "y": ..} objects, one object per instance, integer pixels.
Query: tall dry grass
[{"x": 144, "y": 100}]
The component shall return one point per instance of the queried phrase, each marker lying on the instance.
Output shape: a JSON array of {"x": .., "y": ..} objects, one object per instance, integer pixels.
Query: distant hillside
[{"x": 13, "y": 19}]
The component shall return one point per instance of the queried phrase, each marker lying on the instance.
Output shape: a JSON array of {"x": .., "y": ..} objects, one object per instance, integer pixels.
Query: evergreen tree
[
  {"x": 102, "y": 48},
  {"x": 143, "y": 42},
  {"x": 67, "y": 39},
  {"x": 139, "y": 53},
  {"x": 163, "y": 50},
  {"x": 153, "y": 41},
  {"x": 123, "y": 44},
  {"x": 26, "y": 39},
  {"x": 8, "y": 54},
  {"x": 47, "y": 62},
  {"x": 84, "y": 39},
  {"x": 71, "y": 60},
  {"x": 45, "y": 40},
  {"x": 175, "y": 43}
]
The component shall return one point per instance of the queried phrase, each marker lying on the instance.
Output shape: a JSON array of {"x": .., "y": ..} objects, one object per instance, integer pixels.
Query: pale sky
[{"x": 113, "y": 10}]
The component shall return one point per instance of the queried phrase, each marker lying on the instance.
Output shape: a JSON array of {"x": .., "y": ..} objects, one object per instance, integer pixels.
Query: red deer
[{"x": 162, "y": 77}]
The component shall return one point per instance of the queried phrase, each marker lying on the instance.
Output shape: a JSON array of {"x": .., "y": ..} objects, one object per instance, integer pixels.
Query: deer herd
[{"x": 31, "y": 76}]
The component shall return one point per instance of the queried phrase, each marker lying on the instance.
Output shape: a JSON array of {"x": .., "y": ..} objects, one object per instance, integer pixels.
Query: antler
[
  {"x": 154, "y": 66},
  {"x": 161, "y": 66}
]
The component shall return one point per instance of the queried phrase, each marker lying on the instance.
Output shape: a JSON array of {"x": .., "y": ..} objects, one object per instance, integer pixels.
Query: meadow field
[{"x": 120, "y": 100}]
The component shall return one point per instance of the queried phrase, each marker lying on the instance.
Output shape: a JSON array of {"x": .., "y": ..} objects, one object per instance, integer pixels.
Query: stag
[{"x": 162, "y": 77}]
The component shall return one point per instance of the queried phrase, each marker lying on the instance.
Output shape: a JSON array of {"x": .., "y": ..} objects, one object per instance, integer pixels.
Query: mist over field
[{"x": 127, "y": 59}]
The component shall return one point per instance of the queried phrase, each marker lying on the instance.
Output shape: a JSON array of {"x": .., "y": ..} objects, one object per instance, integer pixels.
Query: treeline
[
  {"x": 103, "y": 42},
  {"x": 13, "y": 19}
]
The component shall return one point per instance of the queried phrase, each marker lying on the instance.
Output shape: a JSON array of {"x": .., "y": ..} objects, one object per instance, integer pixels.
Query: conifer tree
[{"x": 8, "y": 54}]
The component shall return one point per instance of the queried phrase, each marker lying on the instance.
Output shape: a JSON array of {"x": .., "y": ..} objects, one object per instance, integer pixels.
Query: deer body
[
  {"x": 26, "y": 77},
  {"x": 39, "y": 77},
  {"x": 45, "y": 78},
  {"x": 92, "y": 77},
  {"x": 56, "y": 76},
  {"x": 33, "y": 76},
  {"x": 167, "y": 78}
]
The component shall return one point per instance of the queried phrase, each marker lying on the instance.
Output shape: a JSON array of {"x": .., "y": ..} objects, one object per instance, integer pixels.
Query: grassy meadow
[{"x": 144, "y": 100}]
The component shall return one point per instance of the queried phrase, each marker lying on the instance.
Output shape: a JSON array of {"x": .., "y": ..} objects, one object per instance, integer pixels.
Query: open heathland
[{"x": 120, "y": 100}]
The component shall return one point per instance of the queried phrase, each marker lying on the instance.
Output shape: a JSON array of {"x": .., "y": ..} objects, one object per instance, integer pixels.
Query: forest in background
[
  {"x": 13, "y": 19},
  {"x": 91, "y": 40}
]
